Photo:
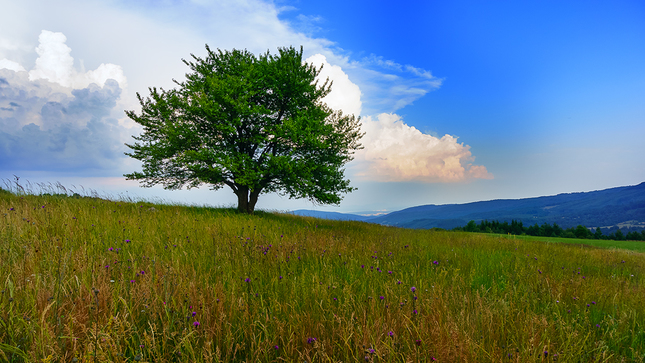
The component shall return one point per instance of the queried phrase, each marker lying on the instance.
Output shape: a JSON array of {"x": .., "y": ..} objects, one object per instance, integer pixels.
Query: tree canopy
[{"x": 256, "y": 124}]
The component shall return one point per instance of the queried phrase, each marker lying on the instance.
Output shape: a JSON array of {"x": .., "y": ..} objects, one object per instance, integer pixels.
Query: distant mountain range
[
  {"x": 332, "y": 215},
  {"x": 623, "y": 207}
]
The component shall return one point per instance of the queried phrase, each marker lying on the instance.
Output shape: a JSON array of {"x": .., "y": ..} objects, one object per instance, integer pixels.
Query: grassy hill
[{"x": 92, "y": 280}]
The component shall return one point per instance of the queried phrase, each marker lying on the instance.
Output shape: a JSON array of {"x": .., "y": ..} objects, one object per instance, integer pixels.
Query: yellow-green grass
[{"x": 91, "y": 280}]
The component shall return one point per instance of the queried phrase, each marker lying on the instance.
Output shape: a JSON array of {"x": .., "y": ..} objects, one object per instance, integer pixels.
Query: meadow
[{"x": 87, "y": 279}]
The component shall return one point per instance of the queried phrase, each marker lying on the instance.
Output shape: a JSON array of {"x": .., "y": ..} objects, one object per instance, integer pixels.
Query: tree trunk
[
  {"x": 242, "y": 193},
  {"x": 253, "y": 200},
  {"x": 245, "y": 202}
]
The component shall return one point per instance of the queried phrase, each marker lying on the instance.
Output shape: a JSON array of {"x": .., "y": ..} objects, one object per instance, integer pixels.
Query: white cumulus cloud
[
  {"x": 56, "y": 65},
  {"x": 395, "y": 151},
  {"x": 11, "y": 65},
  {"x": 345, "y": 95}
]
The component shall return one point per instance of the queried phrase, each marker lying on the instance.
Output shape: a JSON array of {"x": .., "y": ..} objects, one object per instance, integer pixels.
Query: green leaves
[{"x": 256, "y": 124}]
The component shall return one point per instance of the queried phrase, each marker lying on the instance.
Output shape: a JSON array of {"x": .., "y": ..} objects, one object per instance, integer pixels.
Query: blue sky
[{"x": 461, "y": 101}]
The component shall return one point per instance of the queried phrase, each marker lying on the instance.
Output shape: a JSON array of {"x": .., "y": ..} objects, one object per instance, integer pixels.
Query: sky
[{"x": 460, "y": 101}]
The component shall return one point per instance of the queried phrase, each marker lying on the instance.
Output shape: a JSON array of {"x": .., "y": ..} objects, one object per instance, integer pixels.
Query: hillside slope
[{"x": 609, "y": 207}]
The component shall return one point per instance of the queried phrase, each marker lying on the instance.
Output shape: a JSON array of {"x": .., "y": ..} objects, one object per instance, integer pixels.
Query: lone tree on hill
[{"x": 255, "y": 124}]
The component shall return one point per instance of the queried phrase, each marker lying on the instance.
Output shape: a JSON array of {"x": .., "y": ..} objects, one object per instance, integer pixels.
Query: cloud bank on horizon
[{"x": 55, "y": 117}]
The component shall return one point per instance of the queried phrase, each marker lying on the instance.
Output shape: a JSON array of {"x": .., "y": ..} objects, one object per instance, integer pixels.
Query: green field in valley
[
  {"x": 93, "y": 280},
  {"x": 638, "y": 246}
]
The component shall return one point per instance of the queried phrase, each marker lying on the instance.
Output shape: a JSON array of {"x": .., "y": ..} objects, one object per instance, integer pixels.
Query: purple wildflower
[
  {"x": 413, "y": 289},
  {"x": 196, "y": 324}
]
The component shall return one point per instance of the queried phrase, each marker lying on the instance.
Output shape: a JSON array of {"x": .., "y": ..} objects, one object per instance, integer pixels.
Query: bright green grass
[
  {"x": 101, "y": 281},
  {"x": 638, "y": 246}
]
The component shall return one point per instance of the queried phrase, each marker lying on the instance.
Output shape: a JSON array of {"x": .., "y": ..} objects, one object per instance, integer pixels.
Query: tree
[
  {"x": 598, "y": 233},
  {"x": 533, "y": 230},
  {"x": 633, "y": 236},
  {"x": 582, "y": 232},
  {"x": 471, "y": 227},
  {"x": 254, "y": 124}
]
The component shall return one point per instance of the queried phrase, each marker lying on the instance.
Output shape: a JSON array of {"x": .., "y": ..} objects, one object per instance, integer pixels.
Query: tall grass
[{"x": 93, "y": 280}]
